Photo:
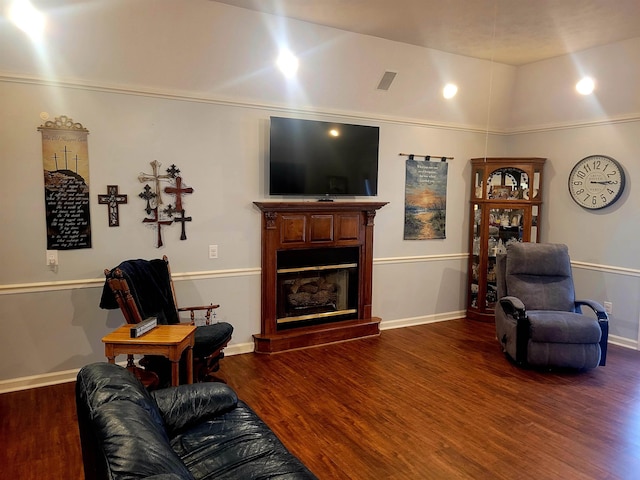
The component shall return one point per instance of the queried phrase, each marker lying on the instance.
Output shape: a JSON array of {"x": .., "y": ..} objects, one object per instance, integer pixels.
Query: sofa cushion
[
  {"x": 237, "y": 445},
  {"x": 193, "y": 404},
  {"x": 563, "y": 327},
  {"x": 133, "y": 443}
]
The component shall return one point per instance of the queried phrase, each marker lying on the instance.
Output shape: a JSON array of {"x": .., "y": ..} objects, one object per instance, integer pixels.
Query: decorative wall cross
[
  {"x": 182, "y": 219},
  {"x": 158, "y": 215},
  {"x": 158, "y": 223},
  {"x": 147, "y": 195},
  {"x": 178, "y": 191},
  {"x": 154, "y": 177},
  {"x": 113, "y": 199}
]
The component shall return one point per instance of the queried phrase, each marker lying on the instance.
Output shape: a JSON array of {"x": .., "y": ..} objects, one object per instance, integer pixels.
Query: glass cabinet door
[
  {"x": 476, "y": 255},
  {"x": 505, "y": 228}
]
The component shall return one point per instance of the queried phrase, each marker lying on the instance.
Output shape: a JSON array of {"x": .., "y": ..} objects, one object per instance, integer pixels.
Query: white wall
[{"x": 193, "y": 83}]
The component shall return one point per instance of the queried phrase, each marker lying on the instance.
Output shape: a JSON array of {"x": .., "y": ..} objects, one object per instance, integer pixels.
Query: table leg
[
  {"x": 175, "y": 373},
  {"x": 189, "y": 365},
  {"x": 110, "y": 353}
]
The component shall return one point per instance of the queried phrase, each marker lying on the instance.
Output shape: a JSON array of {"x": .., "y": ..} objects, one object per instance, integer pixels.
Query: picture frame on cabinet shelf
[{"x": 500, "y": 193}]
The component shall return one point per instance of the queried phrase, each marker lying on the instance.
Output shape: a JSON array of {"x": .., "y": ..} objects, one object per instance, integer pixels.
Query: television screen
[{"x": 314, "y": 158}]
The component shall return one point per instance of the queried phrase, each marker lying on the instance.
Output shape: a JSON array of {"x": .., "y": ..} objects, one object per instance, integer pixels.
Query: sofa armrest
[
  {"x": 187, "y": 405},
  {"x": 129, "y": 443},
  {"x": 514, "y": 307},
  {"x": 593, "y": 305}
]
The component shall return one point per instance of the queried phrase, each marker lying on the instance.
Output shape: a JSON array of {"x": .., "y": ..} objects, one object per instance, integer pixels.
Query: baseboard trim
[
  {"x": 54, "y": 378},
  {"x": 423, "y": 320},
  {"x": 624, "y": 342}
]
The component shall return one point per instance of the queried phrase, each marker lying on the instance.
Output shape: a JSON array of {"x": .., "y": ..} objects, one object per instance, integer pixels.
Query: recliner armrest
[
  {"x": 187, "y": 405},
  {"x": 514, "y": 307},
  {"x": 595, "y": 306}
]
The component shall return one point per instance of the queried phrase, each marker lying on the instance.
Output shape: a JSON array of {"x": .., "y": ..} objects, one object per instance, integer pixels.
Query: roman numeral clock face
[{"x": 596, "y": 182}]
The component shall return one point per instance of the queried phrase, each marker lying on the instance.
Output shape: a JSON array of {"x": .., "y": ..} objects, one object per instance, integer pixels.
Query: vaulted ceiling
[{"x": 513, "y": 32}]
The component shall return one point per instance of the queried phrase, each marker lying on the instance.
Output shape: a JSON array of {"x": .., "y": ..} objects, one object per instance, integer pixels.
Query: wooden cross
[
  {"x": 182, "y": 220},
  {"x": 154, "y": 177},
  {"x": 178, "y": 191},
  {"x": 158, "y": 223},
  {"x": 113, "y": 199}
]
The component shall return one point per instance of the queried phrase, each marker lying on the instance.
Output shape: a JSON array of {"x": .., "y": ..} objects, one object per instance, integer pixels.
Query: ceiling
[{"x": 513, "y": 32}]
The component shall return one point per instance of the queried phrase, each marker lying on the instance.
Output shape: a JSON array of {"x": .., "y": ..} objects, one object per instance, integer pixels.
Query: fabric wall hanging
[
  {"x": 425, "y": 208},
  {"x": 65, "y": 159}
]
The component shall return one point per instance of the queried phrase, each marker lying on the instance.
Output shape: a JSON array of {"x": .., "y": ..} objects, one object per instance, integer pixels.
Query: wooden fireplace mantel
[{"x": 311, "y": 225}]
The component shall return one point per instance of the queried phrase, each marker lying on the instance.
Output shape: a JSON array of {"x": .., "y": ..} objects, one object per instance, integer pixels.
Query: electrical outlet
[
  {"x": 52, "y": 258},
  {"x": 608, "y": 307},
  {"x": 213, "y": 251}
]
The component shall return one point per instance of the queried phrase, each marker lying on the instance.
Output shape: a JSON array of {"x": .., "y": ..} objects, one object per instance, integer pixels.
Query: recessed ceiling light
[
  {"x": 585, "y": 86},
  {"x": 449, "y": 90},
  {"x": 27, "y": 18},
  {"x": 287, "y": 63}
]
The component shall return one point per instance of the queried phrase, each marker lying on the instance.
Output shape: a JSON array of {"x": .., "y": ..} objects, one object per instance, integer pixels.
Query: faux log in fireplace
[{"x": 317, "y": 262}]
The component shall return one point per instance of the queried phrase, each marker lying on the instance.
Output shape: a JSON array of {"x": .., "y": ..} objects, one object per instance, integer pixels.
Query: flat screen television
[{"x": 322, "y": 159}]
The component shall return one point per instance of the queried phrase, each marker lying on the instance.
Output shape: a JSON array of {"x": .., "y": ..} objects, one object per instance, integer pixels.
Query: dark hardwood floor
[{"x": 437, "y": 401}]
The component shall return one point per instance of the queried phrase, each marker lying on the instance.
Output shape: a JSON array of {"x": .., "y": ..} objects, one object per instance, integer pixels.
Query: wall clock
[{"x": 596, "y": 181}]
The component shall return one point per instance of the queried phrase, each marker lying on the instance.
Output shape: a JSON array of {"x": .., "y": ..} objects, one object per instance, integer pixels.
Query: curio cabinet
[{"x": 506, "y": 207}]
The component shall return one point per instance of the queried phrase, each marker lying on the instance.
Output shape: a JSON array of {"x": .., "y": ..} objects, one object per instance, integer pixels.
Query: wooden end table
[{"x": 166, "y": 340}]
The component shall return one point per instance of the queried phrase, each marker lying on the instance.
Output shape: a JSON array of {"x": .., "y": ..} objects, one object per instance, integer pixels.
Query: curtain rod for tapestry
[{"x": 427, "y": 158}]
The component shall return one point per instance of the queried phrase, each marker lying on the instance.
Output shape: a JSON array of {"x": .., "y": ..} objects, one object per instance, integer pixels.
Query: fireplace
[
  {"x": 316, "y": 286},
  {"x": 317, "y": 262}
]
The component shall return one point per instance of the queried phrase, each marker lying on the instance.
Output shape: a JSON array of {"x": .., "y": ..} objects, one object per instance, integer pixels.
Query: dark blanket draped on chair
[{"x": 150, "y": 285}]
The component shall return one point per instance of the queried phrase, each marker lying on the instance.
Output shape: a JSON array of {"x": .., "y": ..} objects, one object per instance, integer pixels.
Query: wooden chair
[{"x": 143, "y": 289}]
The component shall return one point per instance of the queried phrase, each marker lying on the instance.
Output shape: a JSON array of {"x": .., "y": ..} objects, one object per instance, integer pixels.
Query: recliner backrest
[{"x": 540, "y": 275}]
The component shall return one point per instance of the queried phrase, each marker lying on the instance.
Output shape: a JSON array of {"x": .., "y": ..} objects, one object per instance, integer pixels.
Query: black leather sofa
[{"x": 199, "y": 431}]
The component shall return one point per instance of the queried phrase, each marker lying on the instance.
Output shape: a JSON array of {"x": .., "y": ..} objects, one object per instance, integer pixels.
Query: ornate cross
[
  {"x": 169, "y": 211},
  {"x": 178, "y": 190},
  {"x": 147, "y": 195},
  {"x": 113, "y": 199},
  {"x": 158, "y": 223},
  {"x": 182, "y": 219},
  {"x": 154, "y": 177}
]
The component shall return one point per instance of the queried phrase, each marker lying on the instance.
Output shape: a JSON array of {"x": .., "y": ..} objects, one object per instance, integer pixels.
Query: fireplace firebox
[
  {"x": 316, "y": 286},
  {"x": 316, "y": 273}
]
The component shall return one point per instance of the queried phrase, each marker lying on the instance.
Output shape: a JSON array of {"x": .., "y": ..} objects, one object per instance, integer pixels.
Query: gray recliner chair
[{"x": 539, "y": 322}]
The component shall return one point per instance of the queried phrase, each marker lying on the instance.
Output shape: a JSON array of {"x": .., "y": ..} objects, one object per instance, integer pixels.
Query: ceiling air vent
[{"x": 386, "y": 80}]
